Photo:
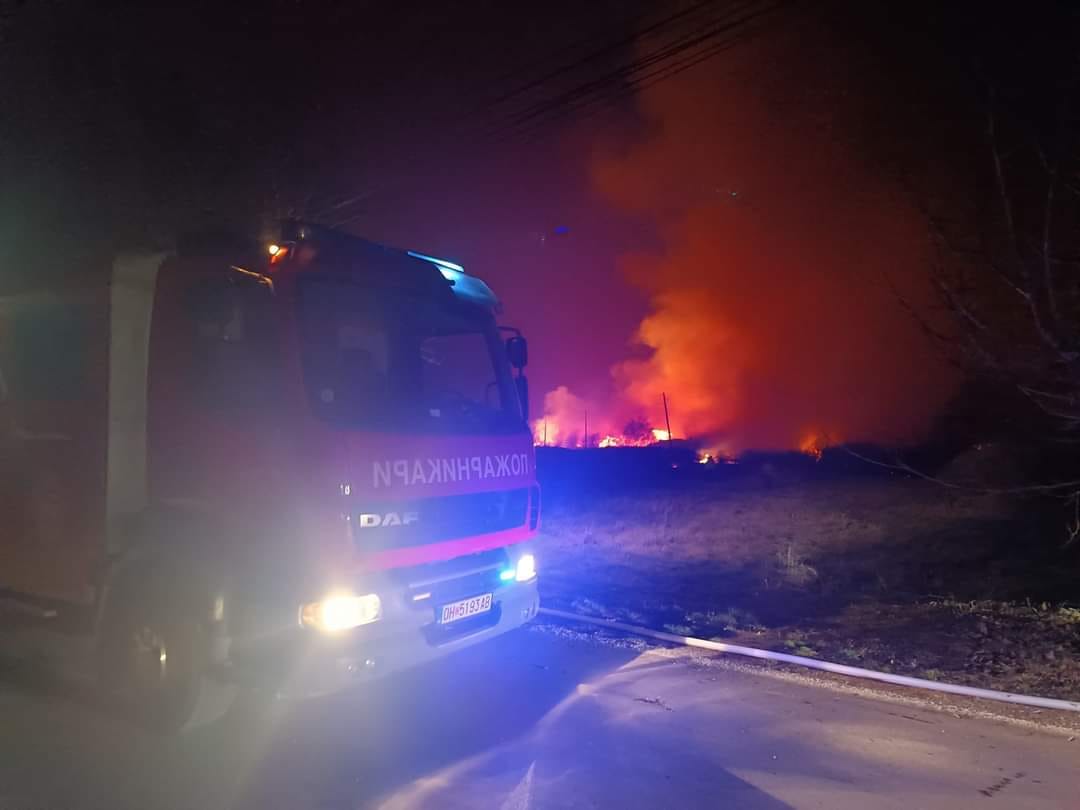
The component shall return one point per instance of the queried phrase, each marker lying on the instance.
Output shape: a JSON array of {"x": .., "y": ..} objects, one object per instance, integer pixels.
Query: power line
[
  {"x": 525, "y": 70},
  {"x": 594, "y": 106},
  {"x": 625, "y": 70},
  {"x": 674, "y": 56},
  {"x": 629, "y": 79},
  {"x": 607, "y": 49},
  {"x": 461, "y": 128}
]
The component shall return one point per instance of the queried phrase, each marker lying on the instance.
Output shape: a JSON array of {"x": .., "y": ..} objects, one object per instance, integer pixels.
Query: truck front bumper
[{"x": 304, "y": 663}]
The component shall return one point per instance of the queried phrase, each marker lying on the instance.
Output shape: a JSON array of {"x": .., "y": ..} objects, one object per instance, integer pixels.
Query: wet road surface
[{"x": 534, "y": 720}]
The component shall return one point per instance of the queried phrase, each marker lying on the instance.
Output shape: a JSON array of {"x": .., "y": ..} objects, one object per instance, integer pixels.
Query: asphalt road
[{"x": 534, "y": 720}]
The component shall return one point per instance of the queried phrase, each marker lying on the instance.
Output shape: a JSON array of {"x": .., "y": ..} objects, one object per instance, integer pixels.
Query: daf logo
[{"x": 373, "y": 520}]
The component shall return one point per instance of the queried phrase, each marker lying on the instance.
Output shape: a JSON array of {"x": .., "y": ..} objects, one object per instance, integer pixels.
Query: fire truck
[{"x": 297, "y": 465}]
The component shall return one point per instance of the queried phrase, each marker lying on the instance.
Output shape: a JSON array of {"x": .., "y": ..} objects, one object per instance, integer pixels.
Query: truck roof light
[{"x": 464, "y": 285}]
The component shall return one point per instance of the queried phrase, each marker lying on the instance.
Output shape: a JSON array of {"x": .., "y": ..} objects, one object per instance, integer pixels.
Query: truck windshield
[{"x": 384, "y": 360}]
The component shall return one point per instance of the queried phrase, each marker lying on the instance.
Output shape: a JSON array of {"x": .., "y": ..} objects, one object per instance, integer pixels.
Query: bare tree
[
  {"x": 1011, "y": 283},
  {"x": 638, "y": 429},
  {"x": 1006, "y": 265}
]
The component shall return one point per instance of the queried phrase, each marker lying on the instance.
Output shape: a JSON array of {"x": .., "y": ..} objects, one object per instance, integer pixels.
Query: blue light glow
[{"x": 507, "y": 574}]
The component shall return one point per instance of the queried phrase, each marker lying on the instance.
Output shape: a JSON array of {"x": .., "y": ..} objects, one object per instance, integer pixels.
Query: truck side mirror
[
  {"x": 517, "y": 351},
  {"x": 522, "y": 384}
]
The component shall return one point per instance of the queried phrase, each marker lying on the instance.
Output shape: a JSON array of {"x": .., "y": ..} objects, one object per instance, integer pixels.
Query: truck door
[{"x": 215, "y": 394}]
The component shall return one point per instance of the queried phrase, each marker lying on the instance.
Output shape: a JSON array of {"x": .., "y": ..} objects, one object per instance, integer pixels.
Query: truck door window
[
  {"x": 383, "y": 359},
  {"x": 457, "y": 367},
  {"x": 236, "y": 358},
  {"x": 363, "y": 357}
]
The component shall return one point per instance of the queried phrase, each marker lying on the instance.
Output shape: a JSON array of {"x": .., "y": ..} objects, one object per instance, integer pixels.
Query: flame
[
  {"x": 564, "y": 411},
  {"x": 566, "y": 416},
  {"x": 613, "y": 440}
]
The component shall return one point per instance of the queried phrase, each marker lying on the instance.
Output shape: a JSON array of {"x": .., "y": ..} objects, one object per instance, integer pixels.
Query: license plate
[{"x": 456, "y": 611}]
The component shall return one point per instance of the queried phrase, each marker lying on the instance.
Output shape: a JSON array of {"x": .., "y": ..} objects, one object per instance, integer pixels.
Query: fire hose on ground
[{"x": 824, "y": 666}]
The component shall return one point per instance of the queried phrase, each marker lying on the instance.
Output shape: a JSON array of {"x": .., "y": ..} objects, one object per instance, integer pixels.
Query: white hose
[{"x": 826, "y": 666}]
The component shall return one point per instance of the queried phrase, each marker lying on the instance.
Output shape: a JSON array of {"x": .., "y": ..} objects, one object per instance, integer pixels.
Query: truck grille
[{"x": 431, "y": 520}]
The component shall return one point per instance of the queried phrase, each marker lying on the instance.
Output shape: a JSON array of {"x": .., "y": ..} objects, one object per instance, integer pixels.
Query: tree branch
[
  {"x": 1048, "y": 273},
  {"x": 1002, "y": 187},
  {"x": 1071, "y": 487}
]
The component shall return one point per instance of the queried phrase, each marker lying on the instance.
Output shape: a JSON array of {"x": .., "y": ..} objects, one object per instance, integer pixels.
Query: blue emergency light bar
[
  {"x": 464, "y": 285},
  {"x": 434, "y": 260}
]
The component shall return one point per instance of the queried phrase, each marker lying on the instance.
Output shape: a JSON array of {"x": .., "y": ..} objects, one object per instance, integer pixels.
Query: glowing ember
[
  {"x": 811, "y": 445},
  {"x": 660, "y": 435}
]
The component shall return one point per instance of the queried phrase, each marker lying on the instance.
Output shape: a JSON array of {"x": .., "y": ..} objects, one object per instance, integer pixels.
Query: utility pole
[
  {"x": 586, "y": 442},
  {"x": 667, "y": 419},
  {"x": 545, "y": 433}
]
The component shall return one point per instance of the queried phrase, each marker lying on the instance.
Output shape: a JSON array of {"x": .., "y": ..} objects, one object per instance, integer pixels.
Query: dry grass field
[{"x": 886, "y": 573}]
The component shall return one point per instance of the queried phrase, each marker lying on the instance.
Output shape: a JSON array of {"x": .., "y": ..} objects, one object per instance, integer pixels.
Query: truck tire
[{"x": 152, "y": 659}]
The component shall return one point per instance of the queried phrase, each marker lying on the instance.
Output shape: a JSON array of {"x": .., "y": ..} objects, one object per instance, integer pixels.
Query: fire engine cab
[{"x": 300, "y": 464}]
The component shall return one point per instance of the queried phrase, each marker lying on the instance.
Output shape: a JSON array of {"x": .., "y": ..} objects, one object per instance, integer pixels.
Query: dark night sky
[
  {"x": 121, "y": 126},
  {"x": 125, "y": 125}
]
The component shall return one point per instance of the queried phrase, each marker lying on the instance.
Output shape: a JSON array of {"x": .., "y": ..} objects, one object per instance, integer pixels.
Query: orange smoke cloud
[{"x": 774, "y": 317}]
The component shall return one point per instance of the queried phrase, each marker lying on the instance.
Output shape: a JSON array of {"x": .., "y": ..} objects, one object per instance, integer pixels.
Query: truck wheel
[{"x": 152, "y": 661}]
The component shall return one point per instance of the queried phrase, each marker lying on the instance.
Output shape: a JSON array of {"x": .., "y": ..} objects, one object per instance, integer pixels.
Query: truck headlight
[
  {"x": 526, "y": 568},
  {"x": 341, "y": 612}
]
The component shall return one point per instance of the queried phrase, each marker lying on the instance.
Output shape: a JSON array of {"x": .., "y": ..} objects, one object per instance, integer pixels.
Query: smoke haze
[{"x": 774, "y": 319}]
